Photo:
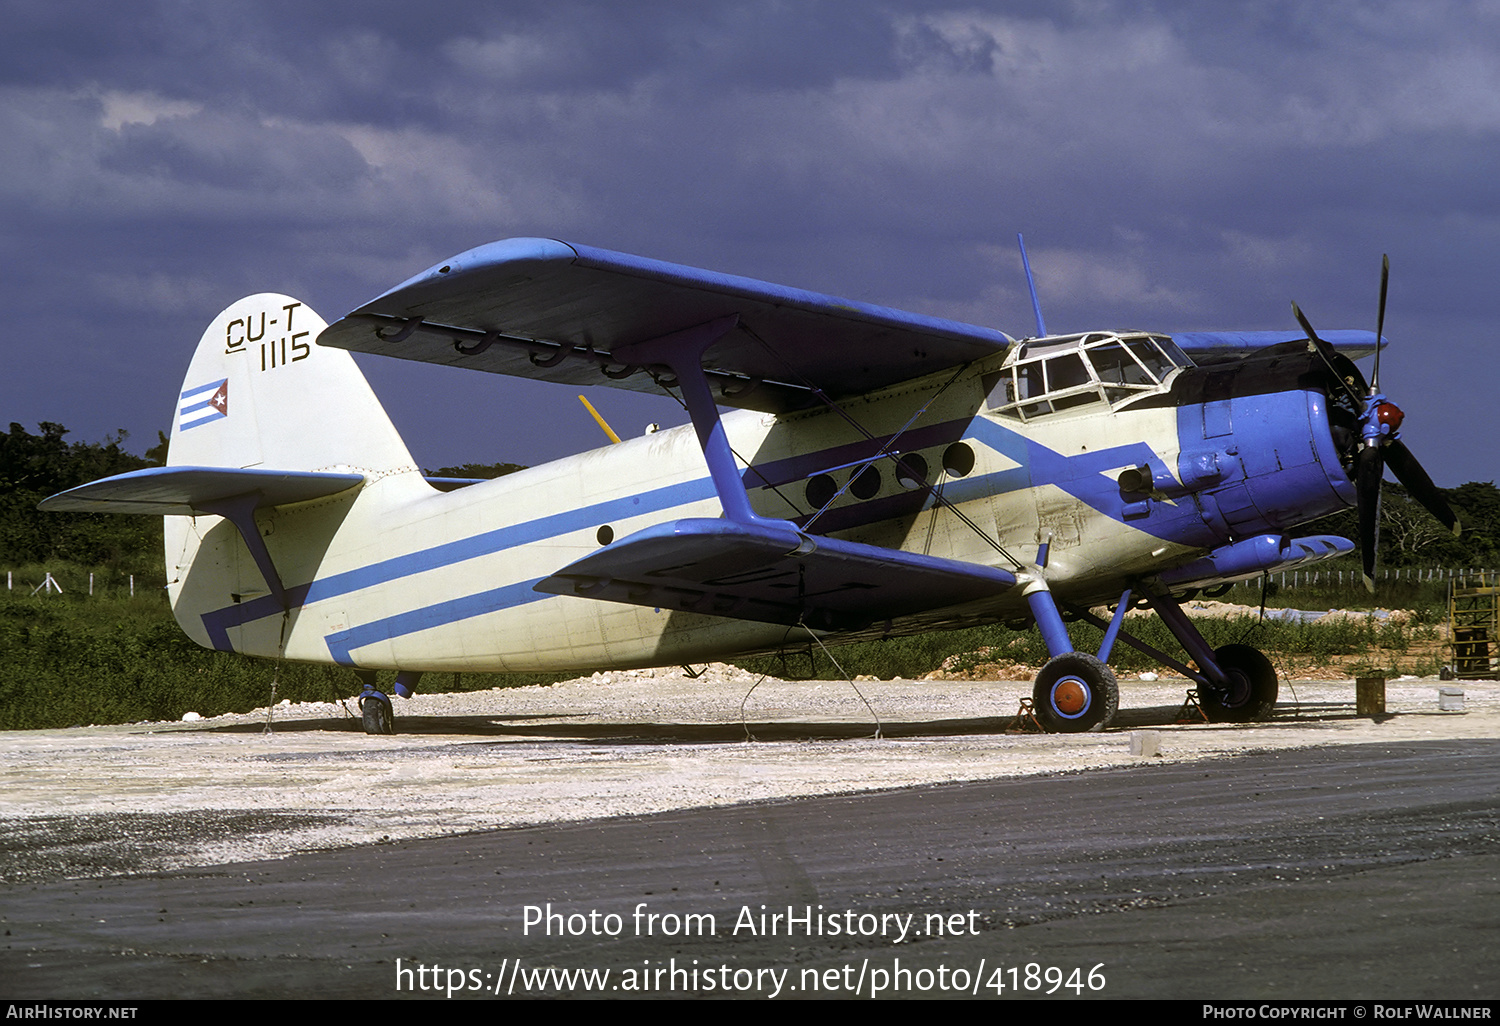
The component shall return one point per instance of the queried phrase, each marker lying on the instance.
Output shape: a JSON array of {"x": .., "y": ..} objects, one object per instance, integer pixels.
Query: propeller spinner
[{"x": 1379, "y": 444}]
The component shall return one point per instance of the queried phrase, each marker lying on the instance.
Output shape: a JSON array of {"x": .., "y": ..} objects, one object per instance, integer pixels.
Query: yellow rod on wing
[{"x": 607, "y": 429}]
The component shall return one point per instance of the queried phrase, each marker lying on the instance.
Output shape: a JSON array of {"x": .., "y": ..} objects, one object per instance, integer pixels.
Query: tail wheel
[
  {"x": 377, "y": 715},
  {"x": 1075, "y": 692},
  {"x": 1252, "y": 690}
]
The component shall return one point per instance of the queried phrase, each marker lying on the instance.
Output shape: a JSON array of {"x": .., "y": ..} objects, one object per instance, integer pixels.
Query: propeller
[{"x": 1379, "y": 445}]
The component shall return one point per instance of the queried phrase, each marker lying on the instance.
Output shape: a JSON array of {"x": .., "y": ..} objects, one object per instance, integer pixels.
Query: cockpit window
[
  {"x": 1029, "y": 381},
  {"x": 1116, "y": 367},
  {"x": 1155, "y": 360},
  {"x": 1066, "y": 372},
  {"x": 1176, "y": 355},
  {"x": 1061, "y": 374}
]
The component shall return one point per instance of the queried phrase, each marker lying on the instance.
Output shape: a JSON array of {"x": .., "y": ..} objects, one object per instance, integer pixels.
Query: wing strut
[{"x": 682, "y": 352}]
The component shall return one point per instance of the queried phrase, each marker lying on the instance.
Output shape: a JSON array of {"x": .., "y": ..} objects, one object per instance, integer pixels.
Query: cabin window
[
  {"x": 820, "y": 490},
  {"x": 958, "y": 460},
  {"x": 1029, "y": 381},
  {"x": 911, "y": 470},
  {"x": 866, "y": 483}
]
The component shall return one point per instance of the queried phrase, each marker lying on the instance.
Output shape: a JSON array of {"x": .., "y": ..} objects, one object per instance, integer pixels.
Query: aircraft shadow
[{"x": 559, "y": 727}]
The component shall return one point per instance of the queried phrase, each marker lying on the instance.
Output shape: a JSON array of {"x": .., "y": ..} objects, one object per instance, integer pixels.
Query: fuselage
[{"x": 1129, "y": 464}]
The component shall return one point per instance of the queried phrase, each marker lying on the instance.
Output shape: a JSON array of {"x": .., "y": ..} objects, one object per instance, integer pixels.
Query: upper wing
[
  {"x": 552, "y": 310},
  {"x": 1206, "y": 347}
]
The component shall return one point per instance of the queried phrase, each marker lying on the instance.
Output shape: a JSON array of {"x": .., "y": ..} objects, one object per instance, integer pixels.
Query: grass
[{"x": 72, "y": 660}]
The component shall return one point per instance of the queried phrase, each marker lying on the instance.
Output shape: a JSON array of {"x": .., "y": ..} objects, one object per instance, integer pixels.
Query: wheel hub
[
  {"x": 1238, "y": 691},
  {"x": 1070, "y": 696}
]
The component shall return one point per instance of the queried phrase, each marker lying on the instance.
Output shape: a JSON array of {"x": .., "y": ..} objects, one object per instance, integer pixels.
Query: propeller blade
[
  {"x": 1326, "y": 351},
  {"x": 1385, "y": 279},
  {"x": 1367, "y": 488},
  {"x": 1410, "y": 473}
]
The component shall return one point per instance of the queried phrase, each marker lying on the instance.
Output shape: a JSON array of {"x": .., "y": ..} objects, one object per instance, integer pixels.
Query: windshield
[{"x": 1069, "y": 373}]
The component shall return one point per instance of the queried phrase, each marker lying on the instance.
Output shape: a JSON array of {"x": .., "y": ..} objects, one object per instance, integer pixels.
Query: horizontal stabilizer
[
  {"x": 191, "y": 491},
  {"x": 1264, "y": 554},
  {"x": 772, "y": 575},
  {"x": 556, "y": 311}
]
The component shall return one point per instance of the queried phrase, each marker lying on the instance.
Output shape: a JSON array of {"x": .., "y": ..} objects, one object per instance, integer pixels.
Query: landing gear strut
[{"x": 1076, "y": 692}]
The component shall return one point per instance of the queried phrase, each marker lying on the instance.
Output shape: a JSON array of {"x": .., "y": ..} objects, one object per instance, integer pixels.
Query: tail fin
[
  {"x": 260, "y": 393},
  {"x": 262, "y": 400},
  {"x": 266, "y": 422}
]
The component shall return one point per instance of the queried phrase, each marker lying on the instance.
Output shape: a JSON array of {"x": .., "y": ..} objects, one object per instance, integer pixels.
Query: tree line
[{"x": 34, "y": 466}]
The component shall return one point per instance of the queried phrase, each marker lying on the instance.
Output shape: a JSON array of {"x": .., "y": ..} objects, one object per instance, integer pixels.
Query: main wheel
[
  {"x": 1252, "y": 687},
  {"x": 377, "y": 715},
  {"x": 1075, "y": 692}
]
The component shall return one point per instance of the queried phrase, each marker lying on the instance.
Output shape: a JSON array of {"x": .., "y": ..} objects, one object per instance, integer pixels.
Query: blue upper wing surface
[
  {"x": 1207, "y": 347},
  {"x": 555, "y": 311}
]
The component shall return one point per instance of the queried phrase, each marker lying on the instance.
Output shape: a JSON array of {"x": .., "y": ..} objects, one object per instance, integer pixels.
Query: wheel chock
[
  {"x": 1191, "y": 711},
  {"x": 1026, "y": 721}
]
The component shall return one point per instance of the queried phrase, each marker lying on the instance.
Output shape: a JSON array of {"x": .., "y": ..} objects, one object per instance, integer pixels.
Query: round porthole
[
  {"x": 820, "y": 489},
  {"x": 606, "y": 535},
  {"x": 958, "y": 459},
  {"x": 866, "y": 484},
  {"x": 911, "y": 471}
]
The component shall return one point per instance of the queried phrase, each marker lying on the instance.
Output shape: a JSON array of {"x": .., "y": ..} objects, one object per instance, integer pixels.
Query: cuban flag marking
[{"x": 203, "y": 405}]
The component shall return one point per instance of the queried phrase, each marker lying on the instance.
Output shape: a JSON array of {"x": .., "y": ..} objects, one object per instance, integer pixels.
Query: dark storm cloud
[{"x": 1175, "y": 165}]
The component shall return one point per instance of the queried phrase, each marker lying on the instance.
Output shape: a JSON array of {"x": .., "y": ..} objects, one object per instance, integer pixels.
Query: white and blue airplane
[{"x": 878, "y": 472}]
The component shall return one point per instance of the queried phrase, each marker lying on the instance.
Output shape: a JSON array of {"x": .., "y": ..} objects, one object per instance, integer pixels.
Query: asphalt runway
[{"x": 1364, "y": 871}]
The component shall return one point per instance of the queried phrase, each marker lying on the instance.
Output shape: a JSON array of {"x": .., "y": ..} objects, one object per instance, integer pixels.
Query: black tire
[
  {"x": 377, "y": 715},
  {"x": 1074, "y": 693},
  {"x": 1252, "y": 687}
]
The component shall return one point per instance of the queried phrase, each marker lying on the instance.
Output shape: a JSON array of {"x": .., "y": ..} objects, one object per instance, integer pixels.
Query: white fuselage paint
[{"x": 402, "y": 576}]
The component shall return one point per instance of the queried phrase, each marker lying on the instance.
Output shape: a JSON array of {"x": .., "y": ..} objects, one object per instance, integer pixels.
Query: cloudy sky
[{"x": 1174, "y": 165}]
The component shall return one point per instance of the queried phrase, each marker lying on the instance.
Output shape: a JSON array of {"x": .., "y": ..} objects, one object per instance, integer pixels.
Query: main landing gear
[
  {"x": 376, "y": 714},
  {"x": 1250, "y": 688},
  {"x": 1077, "y": 692}
]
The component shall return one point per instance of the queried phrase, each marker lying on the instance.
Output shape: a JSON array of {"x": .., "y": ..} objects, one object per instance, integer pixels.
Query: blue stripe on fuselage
[
  {"x": 343, "y": 643},
  {"x": 219, "y": 621}
]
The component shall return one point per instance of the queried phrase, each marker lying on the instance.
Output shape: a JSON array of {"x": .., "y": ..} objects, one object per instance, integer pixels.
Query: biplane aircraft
[{"x": 877, "y": 472}]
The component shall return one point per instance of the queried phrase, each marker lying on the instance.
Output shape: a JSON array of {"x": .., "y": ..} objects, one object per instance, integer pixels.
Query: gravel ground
[{"x": 97, "y": 801}]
